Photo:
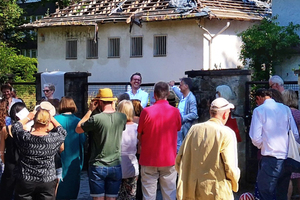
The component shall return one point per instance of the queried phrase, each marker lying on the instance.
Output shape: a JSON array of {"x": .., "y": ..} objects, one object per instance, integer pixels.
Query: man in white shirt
[
  {"x": 136, "y": 92},
  {"x": 269, "y": 132}
]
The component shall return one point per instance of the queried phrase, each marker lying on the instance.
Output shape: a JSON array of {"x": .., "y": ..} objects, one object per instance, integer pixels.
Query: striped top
[{"x": 36, "y": 160}]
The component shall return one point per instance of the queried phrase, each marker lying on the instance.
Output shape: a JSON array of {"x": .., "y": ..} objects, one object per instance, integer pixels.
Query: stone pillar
[
  {"x": 205, "y": 83},
  {"x": 76, "y": 87}
]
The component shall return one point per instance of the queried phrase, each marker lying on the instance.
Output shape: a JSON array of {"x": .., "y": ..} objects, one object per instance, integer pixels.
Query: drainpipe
[{"x": 211, "y": 40}]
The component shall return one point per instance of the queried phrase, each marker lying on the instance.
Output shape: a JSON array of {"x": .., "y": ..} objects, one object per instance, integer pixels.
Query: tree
[
  {"x": 20, "y": 66},
  {"x": 10, "y": 19},
  {"x": 266, "y": 45}
]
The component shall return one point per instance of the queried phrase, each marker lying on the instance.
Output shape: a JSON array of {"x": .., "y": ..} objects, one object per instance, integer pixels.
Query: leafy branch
[{"x": 267, "y": 44}]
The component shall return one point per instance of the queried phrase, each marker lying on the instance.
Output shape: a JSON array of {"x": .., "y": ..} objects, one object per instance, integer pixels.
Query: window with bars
[
  {"x": 71, "y": 49},
  {"x": 114, "y": 47},
  {"x": 160, "y": 46},
  {"x": 91, "y": 48},
  {"x": 136, "y": 49},
  {"x": 32, "y": 53}
]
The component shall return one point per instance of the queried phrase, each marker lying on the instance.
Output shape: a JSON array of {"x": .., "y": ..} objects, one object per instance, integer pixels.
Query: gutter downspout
[{"x": 210, "y": 42}]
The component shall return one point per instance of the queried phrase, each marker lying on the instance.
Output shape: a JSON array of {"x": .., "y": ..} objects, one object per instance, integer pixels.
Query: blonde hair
[
  {"x": 126, "y": 107},
  {"x": 42, "y": 117},
  {"x": 290, "y": 98}
]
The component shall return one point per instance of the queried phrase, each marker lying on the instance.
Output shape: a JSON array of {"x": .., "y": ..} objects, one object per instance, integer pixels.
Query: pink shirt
[{"x": 158, "y": 126}]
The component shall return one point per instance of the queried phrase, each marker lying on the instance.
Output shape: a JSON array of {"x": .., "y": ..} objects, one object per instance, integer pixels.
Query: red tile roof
[{"x": 91, "y": 12}]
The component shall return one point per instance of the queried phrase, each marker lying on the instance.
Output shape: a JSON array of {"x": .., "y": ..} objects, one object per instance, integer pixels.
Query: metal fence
[
  {"x": 27, "y": 92},
  {"x": 117, "y": 88}
]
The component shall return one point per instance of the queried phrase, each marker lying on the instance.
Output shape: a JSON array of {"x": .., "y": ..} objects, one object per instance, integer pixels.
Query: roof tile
[{"x": 91, "y": 12}]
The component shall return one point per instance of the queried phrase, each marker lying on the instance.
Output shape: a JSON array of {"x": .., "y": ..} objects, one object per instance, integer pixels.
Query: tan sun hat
[
  {"x": 105, "y": 94},
  {"x": 47, "y": 106}
]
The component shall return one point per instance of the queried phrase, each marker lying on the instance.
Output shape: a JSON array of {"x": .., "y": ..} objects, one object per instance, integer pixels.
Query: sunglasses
[{"x": 46, "y": 91}]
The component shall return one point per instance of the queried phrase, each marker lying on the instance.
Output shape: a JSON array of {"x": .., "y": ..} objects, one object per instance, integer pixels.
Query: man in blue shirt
[
  {"x": 187, "y": 107},
  {"x": 136, "y": 92}
]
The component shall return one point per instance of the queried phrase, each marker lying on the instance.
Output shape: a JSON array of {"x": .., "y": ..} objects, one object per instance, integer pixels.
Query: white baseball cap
[{"x": 221, "y": 104}]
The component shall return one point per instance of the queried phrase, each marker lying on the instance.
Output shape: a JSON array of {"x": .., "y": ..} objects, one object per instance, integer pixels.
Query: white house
[
  {"x": 288, "y": 11},
  {"x": 161, "y": 39}
]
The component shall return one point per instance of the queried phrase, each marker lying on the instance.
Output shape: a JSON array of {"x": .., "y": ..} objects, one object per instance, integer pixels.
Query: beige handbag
[{"x": 294, "y": 146}]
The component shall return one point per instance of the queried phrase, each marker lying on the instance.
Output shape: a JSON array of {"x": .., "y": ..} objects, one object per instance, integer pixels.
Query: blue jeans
[
  {"x": 273, "y": 179},
  {"x": 105, "y": 181}
]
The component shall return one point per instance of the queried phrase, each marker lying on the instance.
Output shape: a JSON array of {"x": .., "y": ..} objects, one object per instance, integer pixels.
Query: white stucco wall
[
  {"x": 187, "y": 49},
  {"x": 287, "y": 11}
]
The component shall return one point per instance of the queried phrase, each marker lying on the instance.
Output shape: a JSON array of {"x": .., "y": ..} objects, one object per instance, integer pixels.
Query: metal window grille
[
  {"x": 92, "y": 48},
  {"x": 114, "y": 47},
  {"x": 71, "y": 50},
  {"x": 136, "y": 47},
  {"x": 160, "y": 45},
  {"x": 33, "y": 53}
]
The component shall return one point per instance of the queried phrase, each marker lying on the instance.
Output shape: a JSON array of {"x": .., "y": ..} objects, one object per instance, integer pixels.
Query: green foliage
[
  {"x": 10, "y": 19},
  {"x": 267, "y": 44},
  {"x": 20, "y": 66}
]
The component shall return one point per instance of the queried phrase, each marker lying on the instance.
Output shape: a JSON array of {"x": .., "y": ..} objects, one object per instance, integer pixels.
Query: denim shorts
[{"x": 105, "y": 181}]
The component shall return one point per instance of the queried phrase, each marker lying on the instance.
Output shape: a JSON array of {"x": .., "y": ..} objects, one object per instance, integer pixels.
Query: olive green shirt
[{"x": 105, "y": 135}]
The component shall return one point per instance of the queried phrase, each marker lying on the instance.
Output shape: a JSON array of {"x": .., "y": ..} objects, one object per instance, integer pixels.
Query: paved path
[{"x": 84, "y": 192}]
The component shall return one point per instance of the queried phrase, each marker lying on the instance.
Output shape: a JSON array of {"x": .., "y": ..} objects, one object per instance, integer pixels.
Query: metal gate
[{"x": 251, "y": 150}]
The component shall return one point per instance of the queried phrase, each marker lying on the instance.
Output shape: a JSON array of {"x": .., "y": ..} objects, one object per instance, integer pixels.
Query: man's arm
[
  {"x": 177, "y": 92},
  {"x": 230, "y": 159},
  {"x": 93, "y": 106},
  {"x": 141, "y": 126},
  {"x": 256, "y": 130},
  {"x": 175, "y": 89},
  {"x": 192, "y": 109},
  {"x": 178, "y": 160}
]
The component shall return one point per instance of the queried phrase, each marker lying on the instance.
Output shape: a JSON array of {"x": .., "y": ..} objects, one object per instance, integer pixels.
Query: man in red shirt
[{"x": 157, "y": 132}]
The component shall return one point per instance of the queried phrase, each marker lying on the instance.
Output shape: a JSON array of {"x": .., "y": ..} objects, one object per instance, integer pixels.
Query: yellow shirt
[{"x": 207, "y": 163}]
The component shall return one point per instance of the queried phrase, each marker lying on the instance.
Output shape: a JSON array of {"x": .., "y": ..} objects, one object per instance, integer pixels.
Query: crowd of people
[{"x": 132, "y": 147}]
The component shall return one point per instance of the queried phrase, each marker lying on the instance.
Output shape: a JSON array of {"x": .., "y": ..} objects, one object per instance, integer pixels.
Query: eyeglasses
[
  {"x": 271, "y": 86},
  {"x": 135, "y": 79},
  {"x": 46, "y": 91}
]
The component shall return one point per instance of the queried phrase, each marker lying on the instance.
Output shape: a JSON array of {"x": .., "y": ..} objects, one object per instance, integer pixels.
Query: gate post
[
  {"x": 76, "y": 86},
  {"x": 205, "y": 83}
]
